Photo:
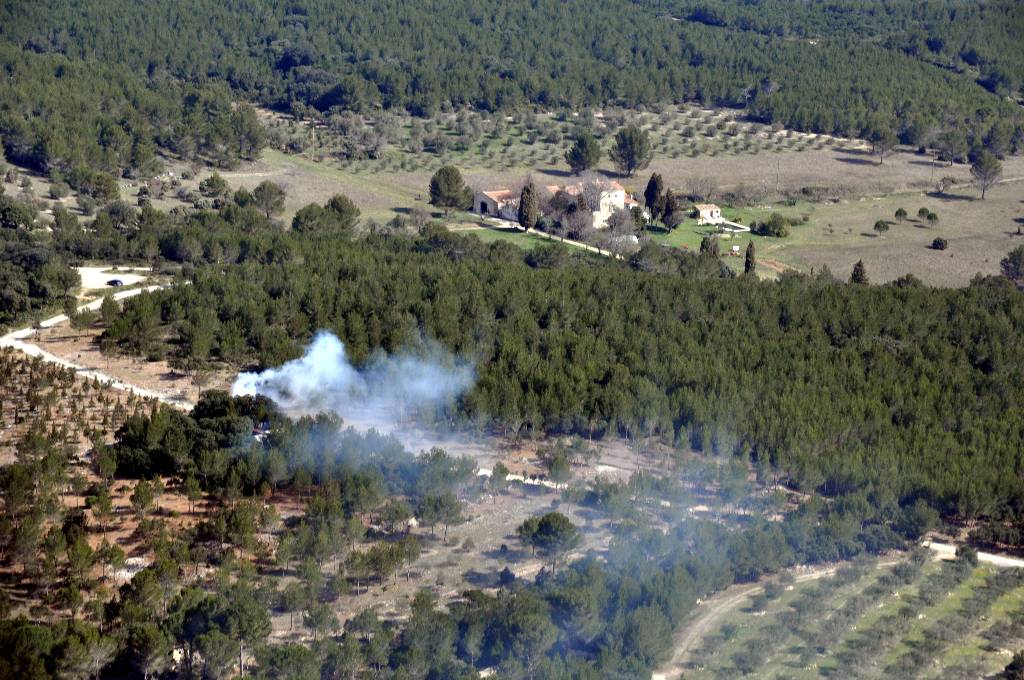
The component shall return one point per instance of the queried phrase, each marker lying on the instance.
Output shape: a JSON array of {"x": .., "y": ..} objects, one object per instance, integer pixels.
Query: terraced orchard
[
  {"x": 392, "y": 143},
  {"x": 910, "y": 618}
]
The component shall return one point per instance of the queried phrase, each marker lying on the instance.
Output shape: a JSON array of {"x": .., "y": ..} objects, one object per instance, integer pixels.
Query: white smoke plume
[{"x": 387, "y": 388}]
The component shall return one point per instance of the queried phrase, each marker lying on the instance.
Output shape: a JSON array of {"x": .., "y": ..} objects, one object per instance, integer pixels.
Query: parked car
[{"x": 116, "y": 283}]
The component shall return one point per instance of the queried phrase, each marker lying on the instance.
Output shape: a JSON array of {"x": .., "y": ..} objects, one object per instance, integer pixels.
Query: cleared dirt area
[
  {"x": 83, "y": 348},
  {"x": 36, "y": 396},
  {"x": 98, "y": 278},
  {"x": 475, "y": 553}
]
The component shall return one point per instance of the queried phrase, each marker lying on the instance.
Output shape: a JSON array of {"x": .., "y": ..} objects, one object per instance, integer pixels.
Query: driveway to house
[{"x": 543, "y": 234}]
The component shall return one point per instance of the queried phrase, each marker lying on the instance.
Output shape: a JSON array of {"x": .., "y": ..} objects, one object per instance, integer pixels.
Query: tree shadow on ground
[
  {"x": 857, "y": 161},
  {"x": 950, "y": 197},
  {"x": 481, "y": 579},
  {"x": 854, "y": 152}
]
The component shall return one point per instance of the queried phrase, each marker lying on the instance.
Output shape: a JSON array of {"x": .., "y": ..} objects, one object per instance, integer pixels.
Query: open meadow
[{"x": 836, "y": 234}]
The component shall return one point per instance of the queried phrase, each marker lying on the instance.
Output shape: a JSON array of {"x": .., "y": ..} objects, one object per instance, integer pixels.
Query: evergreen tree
[
  {"x": 343, "y": 210},
  {"x": 709, "y": 246},
  {"x": 672, "y": 213},
  {"x": 653, "y": 196},
  {"x": 269, "y": 197},
  {"x": 749, "y": 260},
  {"x": 1012, "y": 266},
  {"x": 883, "y": 140},
  {"x": 632, "y": 150},
  {"x": 859, "y": 274},
  {"x": 528, "y": 211},
  {"x": 585, "y": 152},
  {"x": 448, "y": 191},
  {"x": 986, "y": 171}
]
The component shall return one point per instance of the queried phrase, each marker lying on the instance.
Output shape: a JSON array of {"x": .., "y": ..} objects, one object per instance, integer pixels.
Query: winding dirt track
[
  {"x": 19, "y": 340},
  {"x": 714, "y": 609}
]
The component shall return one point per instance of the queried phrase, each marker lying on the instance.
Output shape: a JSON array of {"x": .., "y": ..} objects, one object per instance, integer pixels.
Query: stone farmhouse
[
  {"x": 502, "y": 203},
  {"x": 610, "y": 197}
]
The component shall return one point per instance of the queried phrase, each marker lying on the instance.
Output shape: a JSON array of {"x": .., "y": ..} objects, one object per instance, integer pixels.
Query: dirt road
[
  {"x": 543, "y": 234},
  {"x": 19, "y": 340},
  {"x": 713, "y": 610},
  {"x": 947, "y": 551}
]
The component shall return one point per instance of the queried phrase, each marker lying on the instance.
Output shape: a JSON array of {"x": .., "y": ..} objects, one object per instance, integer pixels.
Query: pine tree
[
  {"x": 585, "y": 152},
  {"x": 859, "y": 274},
  {"x": 709, "y": 246},
  {"x": 447, "y": 190},
  {"x": 749, "y": 262},
  {"x": 986, "y": 171},
  {"x": 528, "y": 211},
  {"x": 632, "y": 150}
]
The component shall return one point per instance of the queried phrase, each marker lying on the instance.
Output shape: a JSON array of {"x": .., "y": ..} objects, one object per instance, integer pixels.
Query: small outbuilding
[
  {"x": 708, "y": 213},
  {"x": 501, "y": 203}
]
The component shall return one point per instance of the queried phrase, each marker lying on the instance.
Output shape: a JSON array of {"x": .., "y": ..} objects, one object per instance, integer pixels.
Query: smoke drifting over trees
[{"x": 386, "y": 388}]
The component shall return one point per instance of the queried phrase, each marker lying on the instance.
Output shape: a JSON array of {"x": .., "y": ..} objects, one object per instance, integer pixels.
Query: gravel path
[{"x": 19, "y": 340}]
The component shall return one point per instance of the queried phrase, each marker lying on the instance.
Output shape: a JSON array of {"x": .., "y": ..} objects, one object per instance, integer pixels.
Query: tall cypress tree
[
  {"x": 749, "y": 262},
  {"x": 668, "y": 206},
  {"x": 528, "y": 212},
  {"x": 652, "y": 196}
]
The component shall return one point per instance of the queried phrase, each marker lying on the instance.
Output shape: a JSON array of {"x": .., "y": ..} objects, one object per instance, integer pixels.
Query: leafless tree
[
  {"x": 578, "y": 223},
  {"x": 702, "y": 188}
]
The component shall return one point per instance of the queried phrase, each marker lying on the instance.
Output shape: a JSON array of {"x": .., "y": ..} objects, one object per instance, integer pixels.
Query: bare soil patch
[{"x": 82, "y": 347}]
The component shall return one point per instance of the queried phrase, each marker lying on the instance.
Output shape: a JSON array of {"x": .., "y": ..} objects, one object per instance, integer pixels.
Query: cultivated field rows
[{"x": 909, "y": 619}]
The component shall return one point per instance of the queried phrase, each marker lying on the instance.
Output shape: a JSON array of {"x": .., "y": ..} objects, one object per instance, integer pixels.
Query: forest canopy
[
  {"x": 902, "y": 391},
  {"x": 421, "y": 56}
]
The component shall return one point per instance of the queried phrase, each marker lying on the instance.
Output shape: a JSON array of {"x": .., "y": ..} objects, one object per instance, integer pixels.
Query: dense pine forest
[
  {"x": 670, "y": 426},
  {"x": 893, "y": 392},
  {"x": 896, "y": 402},
  {"x": 103, "y": 82}
]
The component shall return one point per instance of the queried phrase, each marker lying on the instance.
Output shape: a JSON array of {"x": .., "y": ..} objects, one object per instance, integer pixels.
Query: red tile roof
[{"x": 500, "y": 195}]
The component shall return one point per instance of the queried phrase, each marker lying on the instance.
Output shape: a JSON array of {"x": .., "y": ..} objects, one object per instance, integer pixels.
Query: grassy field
[
  {"x": 837, "y": 234},
  {"x": 490, "y": 234},
  {"x": 930, "y": 620},
  {"x": 689, "y": 143}
]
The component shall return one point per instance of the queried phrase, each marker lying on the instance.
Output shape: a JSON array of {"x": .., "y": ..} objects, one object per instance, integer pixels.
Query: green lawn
[{"x": 509, "y": 234}]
